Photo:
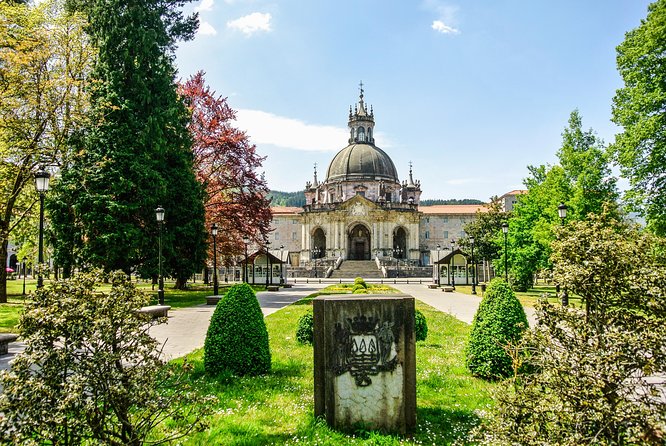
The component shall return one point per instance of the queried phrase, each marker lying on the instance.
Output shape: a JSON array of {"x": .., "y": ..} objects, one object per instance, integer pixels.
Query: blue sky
[{"x": 471, "y": 92}]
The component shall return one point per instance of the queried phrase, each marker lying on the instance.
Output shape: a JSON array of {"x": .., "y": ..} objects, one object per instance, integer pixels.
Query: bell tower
[{"x": 361, "y": 123}]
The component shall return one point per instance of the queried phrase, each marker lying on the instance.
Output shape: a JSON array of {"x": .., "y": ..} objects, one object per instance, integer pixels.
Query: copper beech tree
[{"x": 226, "y": 163}]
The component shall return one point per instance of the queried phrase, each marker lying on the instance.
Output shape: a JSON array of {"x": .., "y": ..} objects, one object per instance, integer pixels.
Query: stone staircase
[{"x": 349, "y": 269}]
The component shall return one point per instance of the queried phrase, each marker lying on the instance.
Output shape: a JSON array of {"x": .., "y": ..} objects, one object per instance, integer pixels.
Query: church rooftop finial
[{"x": 361, "y": 88}]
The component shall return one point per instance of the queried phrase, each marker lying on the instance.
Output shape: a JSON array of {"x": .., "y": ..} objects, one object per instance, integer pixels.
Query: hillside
[{"x": 297, "y": 199}]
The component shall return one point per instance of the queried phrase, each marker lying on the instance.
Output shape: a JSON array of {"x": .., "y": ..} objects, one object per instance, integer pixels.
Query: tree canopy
[
  {"x": 136, "y": 153},
  {"x": 640, "y": 149}
]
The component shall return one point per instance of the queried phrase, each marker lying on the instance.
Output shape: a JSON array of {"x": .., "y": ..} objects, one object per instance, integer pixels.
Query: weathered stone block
[{"x": 365, "y": 362}]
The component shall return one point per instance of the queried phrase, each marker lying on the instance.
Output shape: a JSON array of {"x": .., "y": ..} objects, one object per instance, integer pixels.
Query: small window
[
  {"x": 361, "y": 193},
  {"x": 446, "y": 235},
  {"x": 427, "y": 234},
  {"x": 293, "y": 236},
  {"x": 361, "y": 134},
  {"x": 445, "y": 219},
  {"x": 277, "y": 236}
]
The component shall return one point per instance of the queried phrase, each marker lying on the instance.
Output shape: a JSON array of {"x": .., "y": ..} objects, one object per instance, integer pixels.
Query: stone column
[{"x": 365, "y": 362}]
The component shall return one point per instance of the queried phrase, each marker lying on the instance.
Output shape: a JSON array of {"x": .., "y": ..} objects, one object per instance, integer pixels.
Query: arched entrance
[
  {"x": 318, "y": 244},
  {"x": 400, "y": 243},
  {"x": 359, "y": 243}
]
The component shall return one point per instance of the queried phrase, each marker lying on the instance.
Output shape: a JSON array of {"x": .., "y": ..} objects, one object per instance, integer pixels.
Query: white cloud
[
  {"x": 206, "y": 29},
  {"x": 205, "y": 5},
  {"x": 267, "y": 128},
  {"x": 443, "y": 28},
  {"x": 251, "y": 23},
  {"x": 290, "y": 133}
]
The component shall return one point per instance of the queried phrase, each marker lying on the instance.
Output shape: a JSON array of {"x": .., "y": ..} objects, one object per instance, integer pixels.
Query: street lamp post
[
  {"x": 453, "y": 263},
  {"x": 505, "y": 230},
  {"x": 213, "y": 231},
  {"x": 246, "y": 241},
  {"x": 437, "y": 277},
  {"x": 471, "y": 242},
  {"x": 159, "y": 214},
  {"x": 315, "y": 254},
  {"x": 562, "y": 212},
  {"x": 42, "y": 185},
  {"x": 269, "y": 267},
  {"x": 281, "y": 264},
  {"x": 397, "y": 252}
]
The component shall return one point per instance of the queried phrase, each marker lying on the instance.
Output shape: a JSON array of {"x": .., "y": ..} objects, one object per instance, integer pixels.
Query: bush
[
  {"x": 237, "y": 339},
  {"x": 91, "y": 373},
  {"x": 420, "y": 326},
  {"x": 360, "y": 281},
  {"x": 500, "y": 320},
  {"x": 305, "y": 330},
  {"x": 359, "y": 289}
]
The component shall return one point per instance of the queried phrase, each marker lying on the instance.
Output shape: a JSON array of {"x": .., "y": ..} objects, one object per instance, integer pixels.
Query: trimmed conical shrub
[
  {"x": 420, "y": 326},
  {"x": 500, "y": 320},
  {"x": 237, "y": 339}
]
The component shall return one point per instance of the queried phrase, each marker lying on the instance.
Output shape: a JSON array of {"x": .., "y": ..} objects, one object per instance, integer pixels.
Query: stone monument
[{"x": 365, "y": 362}]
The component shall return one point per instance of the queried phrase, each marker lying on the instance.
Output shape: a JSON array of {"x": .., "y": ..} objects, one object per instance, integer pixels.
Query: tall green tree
[
  {"x": 582, "y": 180},
  {"x": 638, "y": 107},
  {"x": 136, "y": 154},
  {"x": 45, "y": 58}
]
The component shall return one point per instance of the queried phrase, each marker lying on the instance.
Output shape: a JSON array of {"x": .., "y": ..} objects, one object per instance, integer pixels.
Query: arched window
[
  {"x": 361, "y": 134},
  {"x": 369, "y": 134}
]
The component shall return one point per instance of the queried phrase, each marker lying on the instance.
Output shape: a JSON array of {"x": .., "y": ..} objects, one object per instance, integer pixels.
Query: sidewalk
[{"x": 461, "y": 306}]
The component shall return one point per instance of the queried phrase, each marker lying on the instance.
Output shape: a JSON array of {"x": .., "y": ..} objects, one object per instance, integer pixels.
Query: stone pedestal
[{"x": 365, "y": 362}]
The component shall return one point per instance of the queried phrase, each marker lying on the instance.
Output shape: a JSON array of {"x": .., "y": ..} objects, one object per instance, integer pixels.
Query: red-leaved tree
[{"x": 226, "y": 163}]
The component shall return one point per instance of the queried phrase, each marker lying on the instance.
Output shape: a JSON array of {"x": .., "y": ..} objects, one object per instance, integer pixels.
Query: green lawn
[
  {"x": 278, "y": 408},
  {"x": 10, "y": 311},
  {"x": 530, "y": 297}
]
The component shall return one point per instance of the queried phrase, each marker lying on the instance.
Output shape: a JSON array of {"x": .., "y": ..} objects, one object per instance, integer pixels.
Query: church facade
[{"x": 362, "y": 211}]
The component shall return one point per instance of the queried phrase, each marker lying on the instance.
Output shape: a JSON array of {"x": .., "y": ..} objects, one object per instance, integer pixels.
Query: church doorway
[
  {"x": 359, "y": 243},
  {"x": 319, "y": 244},
  {"x": 400, "y": 243}
]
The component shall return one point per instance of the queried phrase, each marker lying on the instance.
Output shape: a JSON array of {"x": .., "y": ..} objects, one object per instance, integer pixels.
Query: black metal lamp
[
  {"x": 159, "y": 214},
  {"x": 42, "y": 185}
]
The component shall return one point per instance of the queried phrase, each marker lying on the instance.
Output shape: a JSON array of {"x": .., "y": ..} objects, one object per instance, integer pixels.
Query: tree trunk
[
  {"x": 180, "y": 283},
  {"x": 3, "y": 270}
]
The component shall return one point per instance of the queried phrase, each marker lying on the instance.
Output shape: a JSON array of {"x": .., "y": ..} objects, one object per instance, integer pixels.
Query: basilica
[{"x": 361, "y": 210}]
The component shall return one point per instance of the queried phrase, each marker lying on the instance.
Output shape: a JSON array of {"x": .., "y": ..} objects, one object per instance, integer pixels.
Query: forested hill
[
  {"x": 297, "y": 199},
  {"x": 451, "y": 201}
]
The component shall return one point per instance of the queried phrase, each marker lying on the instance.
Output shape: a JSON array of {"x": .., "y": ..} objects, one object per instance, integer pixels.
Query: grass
[
  {"x": 278, "y": 408},
  {"x": 10, "y": 312}
]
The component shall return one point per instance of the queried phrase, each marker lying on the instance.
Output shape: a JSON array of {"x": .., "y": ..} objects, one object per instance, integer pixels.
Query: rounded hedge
[
  {"x": 237, "y": 339},
  {"x": 305, "y": 329},
  {"x": 360, "y": 281},
  {"x": 500, "y": 320},
  {"x": 420, "y": 326}
]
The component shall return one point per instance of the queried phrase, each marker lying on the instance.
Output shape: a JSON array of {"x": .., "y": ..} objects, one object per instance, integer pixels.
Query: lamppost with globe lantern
[
  {"x": 246, "y": 242},
  {"x": 159, "y": 214},
  {"x": 315, "y": 255},
  {"x": 397, "y": 252},
  {"x": 471, "y": 243},
  {"x": 213, "y": 231},
  {"x": 505, "y": 231},
  {"x": 439, "y": 247},
  {"x": 42, "y": 185},
  {"x": 453, "y": 263},
  {"x": 562, "y": 212}
]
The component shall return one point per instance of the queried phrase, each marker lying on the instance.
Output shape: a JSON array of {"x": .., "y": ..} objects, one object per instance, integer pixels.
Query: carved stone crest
[
  {"x": 357, "y": 209},
  {"x": 365, "y": 346}
]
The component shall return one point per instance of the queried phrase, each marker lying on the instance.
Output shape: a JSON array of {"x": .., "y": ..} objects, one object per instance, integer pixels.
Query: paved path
[
  {"x": 462, "y": 306},
  {"x": 186, "y": 329}
]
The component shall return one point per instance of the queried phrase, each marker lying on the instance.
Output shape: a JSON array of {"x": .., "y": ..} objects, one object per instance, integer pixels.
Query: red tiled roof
[
  {"x": 515, "y": 192},
  {"x": 286, "y": 210},
  {"x": 453, "y": 209}
]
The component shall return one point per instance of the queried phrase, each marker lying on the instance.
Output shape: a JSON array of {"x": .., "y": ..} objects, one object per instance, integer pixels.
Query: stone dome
[{"x": 361, "y": 161}]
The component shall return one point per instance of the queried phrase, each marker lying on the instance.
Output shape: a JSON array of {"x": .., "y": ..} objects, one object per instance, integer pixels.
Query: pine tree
[{"x": 136, "y": 155}]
